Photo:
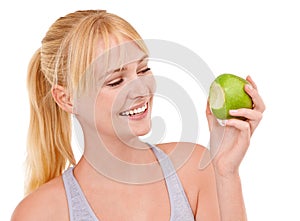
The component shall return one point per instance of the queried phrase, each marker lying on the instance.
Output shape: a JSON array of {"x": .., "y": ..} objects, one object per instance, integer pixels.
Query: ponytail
[{"x": 49, "y": 134}]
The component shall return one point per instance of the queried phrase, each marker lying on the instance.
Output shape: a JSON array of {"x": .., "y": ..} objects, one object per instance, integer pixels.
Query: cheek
[
  {"x": 103, "y": 108},
  {"x": 150, "y": 83},
  {"x": 107, "y": 108}
]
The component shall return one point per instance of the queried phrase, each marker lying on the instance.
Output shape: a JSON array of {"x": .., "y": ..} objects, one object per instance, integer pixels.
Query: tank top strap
[
  {"x": 180, "y": 207},
  {"x": 79, "y": 208}
]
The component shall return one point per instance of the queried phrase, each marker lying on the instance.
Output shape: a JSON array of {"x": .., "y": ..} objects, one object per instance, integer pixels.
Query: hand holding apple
[{"x": 229, "y": 144}]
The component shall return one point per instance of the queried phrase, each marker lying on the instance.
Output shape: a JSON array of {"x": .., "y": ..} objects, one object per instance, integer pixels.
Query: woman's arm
[
  {"x": 230, "y": 198},
  {"x": 228, "y": 145}
]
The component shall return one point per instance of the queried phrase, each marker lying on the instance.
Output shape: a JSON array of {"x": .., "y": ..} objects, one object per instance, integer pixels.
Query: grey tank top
[{"x": 80, "y": 210}]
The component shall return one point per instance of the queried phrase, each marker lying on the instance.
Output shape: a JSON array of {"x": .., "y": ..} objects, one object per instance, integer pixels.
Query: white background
[{"x": 257, "y": 37}]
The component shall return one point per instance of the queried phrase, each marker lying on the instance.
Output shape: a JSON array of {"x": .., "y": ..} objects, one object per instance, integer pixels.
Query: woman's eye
[
  {"x": 144, "y": 71},
  {"x": 115, "y": 83}
]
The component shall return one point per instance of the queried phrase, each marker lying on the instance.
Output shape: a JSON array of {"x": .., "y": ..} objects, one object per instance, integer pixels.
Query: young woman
[{"x": 93, "y": 65}]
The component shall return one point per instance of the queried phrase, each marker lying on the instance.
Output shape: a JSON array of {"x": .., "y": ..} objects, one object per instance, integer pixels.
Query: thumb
[{"x": 209, "y": 117}]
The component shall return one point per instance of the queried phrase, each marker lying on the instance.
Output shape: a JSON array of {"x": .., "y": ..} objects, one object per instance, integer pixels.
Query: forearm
[{"x": 231, "y": 202}]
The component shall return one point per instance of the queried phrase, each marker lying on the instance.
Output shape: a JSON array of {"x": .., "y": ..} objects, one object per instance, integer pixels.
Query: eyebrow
[{"x": 124, "y": 68}]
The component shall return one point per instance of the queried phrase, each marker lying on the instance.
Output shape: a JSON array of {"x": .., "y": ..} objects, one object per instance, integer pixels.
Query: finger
[
  {"x": 253, "y": 92},
  {"x": 252, "y": 115},
  {"x": 239, "y": 124},
  {"x": 208, "y": 111},
  {"x": 209, "y": 116},
  {"x": 249, "y": 78},
  {"x": 243, "y": 127},
  {"x": 258, "y": 103}
]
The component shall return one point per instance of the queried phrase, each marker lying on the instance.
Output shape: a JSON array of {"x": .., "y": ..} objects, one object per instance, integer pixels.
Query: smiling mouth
[{"x": 135, "y": 111}]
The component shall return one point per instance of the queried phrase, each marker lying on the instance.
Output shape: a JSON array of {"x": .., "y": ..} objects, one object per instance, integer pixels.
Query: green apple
[{"x": 227, "y": 93}]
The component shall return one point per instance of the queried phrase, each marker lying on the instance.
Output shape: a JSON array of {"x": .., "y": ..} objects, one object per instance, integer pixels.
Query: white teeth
[{"x": 134, "y": 111}]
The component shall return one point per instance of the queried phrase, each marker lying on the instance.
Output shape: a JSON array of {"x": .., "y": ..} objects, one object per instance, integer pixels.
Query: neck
[
  {"x": 130, "y": 149},
  {"x": 128, "y": 161}
]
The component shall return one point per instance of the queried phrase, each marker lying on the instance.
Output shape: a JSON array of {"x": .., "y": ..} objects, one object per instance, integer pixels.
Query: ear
[{"x": 62, "y": 98}]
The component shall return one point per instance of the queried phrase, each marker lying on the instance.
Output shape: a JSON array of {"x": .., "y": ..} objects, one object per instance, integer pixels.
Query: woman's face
[{"x": 123, "y": 104}]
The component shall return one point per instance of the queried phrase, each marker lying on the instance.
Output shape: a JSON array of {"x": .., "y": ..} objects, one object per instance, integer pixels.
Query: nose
[{"x": 141, "y": 86}]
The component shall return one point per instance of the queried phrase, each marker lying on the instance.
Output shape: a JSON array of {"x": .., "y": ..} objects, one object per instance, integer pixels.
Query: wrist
[{"x": 226, "y": 173}]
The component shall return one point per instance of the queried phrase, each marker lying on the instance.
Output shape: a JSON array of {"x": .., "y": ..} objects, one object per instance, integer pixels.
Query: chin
[{"x": 141, "y": 130}]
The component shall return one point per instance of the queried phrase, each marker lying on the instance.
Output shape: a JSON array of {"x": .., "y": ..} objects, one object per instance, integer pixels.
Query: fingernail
[
  {"x": 249, "y": 86},
  {"x": 233, "y": 111},
  {"x": 222, "y": 122}
]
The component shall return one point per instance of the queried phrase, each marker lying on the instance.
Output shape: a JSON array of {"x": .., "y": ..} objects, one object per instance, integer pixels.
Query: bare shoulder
[
  {"x": 191, "y": 160},
  {"x": 46, "y": 203},
  {"x": 193, "y": 152}
]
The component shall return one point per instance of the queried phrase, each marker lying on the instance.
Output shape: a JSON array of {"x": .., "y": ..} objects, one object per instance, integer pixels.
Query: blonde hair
[{"x": 67, "y": 50}]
